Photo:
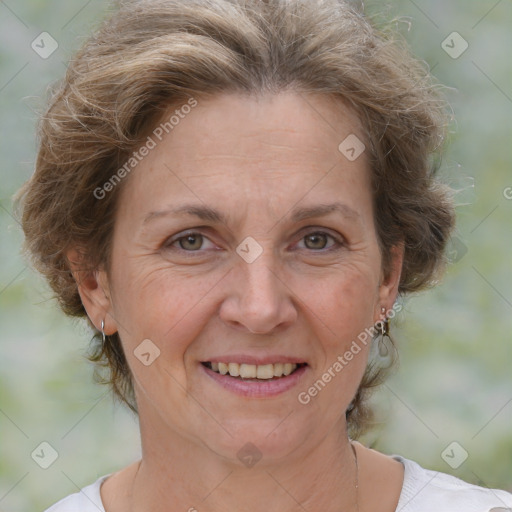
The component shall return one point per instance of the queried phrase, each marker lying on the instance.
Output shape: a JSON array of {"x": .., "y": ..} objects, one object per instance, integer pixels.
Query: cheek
[
  {"x": 343, "y": 314},
  {"x": 168, "y": 307},
  {"x": 342, "y": 309},
  {"x": 343, "y": 302}
]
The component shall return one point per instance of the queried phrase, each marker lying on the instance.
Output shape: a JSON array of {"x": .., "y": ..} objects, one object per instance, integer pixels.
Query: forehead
[
  {"x": 247, "y": 148},
  {"x": 290, "y": 120}
]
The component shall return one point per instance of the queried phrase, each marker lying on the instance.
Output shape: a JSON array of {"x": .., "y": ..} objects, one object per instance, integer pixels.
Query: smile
[
  {"x": 255, "y": 381},
  {"x": 253, "y": 371}
]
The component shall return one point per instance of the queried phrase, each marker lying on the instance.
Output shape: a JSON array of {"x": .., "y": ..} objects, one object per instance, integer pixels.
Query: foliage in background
[{"x": 454, "y": 383}]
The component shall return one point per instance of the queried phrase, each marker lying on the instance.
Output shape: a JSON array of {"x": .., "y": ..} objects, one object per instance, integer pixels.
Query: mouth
[
  {"x": 253, "y": 372},
  {"x": 256, "y": 376}
]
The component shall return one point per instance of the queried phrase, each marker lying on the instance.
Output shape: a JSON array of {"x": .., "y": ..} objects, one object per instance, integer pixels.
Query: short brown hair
[{"x": 155, "y": 53}]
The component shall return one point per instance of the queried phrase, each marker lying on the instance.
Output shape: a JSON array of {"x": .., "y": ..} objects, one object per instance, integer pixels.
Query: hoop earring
[{"x": 102, "y": 331}]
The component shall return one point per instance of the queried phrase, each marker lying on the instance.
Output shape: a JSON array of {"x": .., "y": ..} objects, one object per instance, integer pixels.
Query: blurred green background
[{"x": 454, "y": 383}]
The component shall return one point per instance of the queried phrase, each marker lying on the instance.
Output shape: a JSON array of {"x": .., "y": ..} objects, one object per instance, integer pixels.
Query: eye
[
  {"x": 316, "y": 240},
  {"x": 193, "y": 242},
  {"x": 190, "y": 242}
]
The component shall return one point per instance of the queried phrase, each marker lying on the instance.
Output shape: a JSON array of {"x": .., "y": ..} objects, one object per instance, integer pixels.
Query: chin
[{"x": 258, "y": 442}]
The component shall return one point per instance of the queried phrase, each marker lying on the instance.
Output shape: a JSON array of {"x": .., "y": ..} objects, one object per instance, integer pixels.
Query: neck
[{"x": 178, "y": 474}]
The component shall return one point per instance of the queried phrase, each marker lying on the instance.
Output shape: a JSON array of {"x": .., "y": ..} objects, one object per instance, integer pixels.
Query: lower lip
[{"x": 256, "y": 389}]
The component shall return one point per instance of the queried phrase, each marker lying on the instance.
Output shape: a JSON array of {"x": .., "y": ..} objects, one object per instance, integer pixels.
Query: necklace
[
  {"x": 133, "y": 484},
  {"x": 356, "y": 485},
  {"x": 357, "y": 475}
]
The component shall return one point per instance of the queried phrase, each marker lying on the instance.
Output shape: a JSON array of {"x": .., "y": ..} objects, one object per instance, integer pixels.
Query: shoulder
[
  {"x": 425, "y": 490},
  {"x": 88, "y": 499}
]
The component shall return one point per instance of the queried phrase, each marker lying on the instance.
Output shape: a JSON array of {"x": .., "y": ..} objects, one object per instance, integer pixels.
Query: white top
[{"x": 423, "y": 491}]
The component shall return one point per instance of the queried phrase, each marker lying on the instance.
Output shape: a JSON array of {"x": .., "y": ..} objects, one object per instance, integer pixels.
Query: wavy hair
[{"x": 150, "y": 54}]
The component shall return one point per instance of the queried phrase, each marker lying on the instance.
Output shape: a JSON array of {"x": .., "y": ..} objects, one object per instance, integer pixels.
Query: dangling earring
[
  {"x": 384, "y": 343},
  {"x": 102, "y": 331}
]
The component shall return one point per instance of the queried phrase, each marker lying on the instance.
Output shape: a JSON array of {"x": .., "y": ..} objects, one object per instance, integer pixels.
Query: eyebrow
[{"x": 297, "y": 214}]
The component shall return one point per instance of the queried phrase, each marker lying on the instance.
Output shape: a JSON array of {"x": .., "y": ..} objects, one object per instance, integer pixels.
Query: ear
[
  {"x": 94, "y": 290},
  {"x": 388, "y": 288}
]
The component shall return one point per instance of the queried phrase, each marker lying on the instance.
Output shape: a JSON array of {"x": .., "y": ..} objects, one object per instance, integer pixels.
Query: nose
[{"x": 259, "y": 299}]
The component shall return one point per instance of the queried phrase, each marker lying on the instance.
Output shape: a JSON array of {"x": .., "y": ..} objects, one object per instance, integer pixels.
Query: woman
[{"x": 289, "y": 143}]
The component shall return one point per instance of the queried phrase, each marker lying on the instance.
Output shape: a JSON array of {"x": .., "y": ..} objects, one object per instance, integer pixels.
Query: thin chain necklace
[
  {"x": 357, "y": 476},
  {"x": 133, "y": 485}
]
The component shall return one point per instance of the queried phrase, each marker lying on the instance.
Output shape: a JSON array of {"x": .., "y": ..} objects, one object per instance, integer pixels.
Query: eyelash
[{"x": 339, "y": 242}]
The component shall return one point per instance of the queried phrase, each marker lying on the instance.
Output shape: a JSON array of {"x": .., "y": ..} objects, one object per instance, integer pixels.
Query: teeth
[
  {"x": 288, "y": 368},
  {"x": 248, "y": 371},
  {"x": 252, "y": 371},
  {"x": 234, "y": 369},
  {"x": 265, "y": 371},
  {"x": 278, "y": 369}
]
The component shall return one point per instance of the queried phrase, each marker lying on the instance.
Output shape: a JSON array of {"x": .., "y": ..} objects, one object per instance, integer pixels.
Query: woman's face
[{"x": 253, "y": 277}]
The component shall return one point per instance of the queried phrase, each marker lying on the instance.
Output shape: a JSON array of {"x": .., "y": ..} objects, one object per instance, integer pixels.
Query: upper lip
[{"x": 256, "y": 360}]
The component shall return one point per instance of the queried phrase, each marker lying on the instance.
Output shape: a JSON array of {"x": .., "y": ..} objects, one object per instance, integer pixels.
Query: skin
[{"x": 254, "y": 159}]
